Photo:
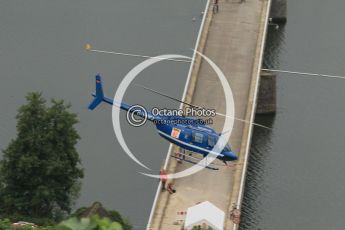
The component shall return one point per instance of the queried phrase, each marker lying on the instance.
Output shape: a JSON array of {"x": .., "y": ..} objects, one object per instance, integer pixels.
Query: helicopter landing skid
[{"x": 192, "y": 162}]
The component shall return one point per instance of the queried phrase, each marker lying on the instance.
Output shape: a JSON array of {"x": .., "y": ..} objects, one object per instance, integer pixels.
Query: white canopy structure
[{"x": 206, "y": 215}]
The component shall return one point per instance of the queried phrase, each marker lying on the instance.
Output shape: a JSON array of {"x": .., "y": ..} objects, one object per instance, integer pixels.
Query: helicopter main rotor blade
[
  {"x": 245, "y": 121},
  {"x": 199, "y": 107},
  {"x": 167, "y": 96}
]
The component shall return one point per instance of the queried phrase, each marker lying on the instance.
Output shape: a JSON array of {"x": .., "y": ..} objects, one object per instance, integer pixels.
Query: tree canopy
[
  {"x": 40, "y": 171},
  {"x": 97, "y": 209},
  {"x": 92, "y": 223}
]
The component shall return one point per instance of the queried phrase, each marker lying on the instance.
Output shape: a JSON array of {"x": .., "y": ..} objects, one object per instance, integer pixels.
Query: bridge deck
[{"x": 232, "y": 39}]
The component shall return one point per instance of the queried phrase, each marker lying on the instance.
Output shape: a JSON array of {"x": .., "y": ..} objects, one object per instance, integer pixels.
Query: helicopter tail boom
[{"x": 99, "y": 97}]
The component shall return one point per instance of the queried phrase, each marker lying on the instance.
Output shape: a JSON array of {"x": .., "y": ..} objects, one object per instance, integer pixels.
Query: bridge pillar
[
  {"x": 266, "y": 103},
  {"x": 278, "y": 11}
]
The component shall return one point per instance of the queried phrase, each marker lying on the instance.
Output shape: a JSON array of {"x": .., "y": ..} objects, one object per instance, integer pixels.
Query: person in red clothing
[{"x": 163, "y": 178}]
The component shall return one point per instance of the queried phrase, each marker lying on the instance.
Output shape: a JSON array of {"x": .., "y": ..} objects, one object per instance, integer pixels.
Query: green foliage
[
  {"x": 40, "y": 171},
  {"x": 113, "y": 216},
  {"x": 93, "y": 223},
  {"x": 46, "y": 228},
  {"x": 5, "y": 224},
  {"x": 36, "y": 220}
]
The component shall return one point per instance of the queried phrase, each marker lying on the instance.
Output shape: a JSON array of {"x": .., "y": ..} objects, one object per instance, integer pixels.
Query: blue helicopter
[{"x": 186, "y": 132}]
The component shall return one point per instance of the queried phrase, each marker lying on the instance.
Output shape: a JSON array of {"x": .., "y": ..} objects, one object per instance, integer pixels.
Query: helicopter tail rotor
[{"x": 99, "y": 96}]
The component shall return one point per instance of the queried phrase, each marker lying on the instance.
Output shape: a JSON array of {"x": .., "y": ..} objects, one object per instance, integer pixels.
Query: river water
[
  {"x": 296, "y": 171},
  {"x": 42, "y": 49}
]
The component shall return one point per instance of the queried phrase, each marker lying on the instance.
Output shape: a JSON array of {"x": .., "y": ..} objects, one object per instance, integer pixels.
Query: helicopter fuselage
[{"x": 185, "y": 132}]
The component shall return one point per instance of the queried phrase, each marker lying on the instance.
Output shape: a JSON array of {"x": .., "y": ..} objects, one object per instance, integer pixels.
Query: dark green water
[
  {"x": 296, "y": 171},
  {"x": 42, "y": 49}
]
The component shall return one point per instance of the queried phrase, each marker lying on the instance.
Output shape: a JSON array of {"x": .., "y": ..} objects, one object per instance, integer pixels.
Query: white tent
[{"x": 204, "y": 213}]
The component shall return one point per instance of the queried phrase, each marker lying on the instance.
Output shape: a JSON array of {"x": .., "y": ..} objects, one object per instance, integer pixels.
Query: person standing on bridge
[
  {"x": 215, "y": 6},
  {"x": 163, "y": 178}
]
